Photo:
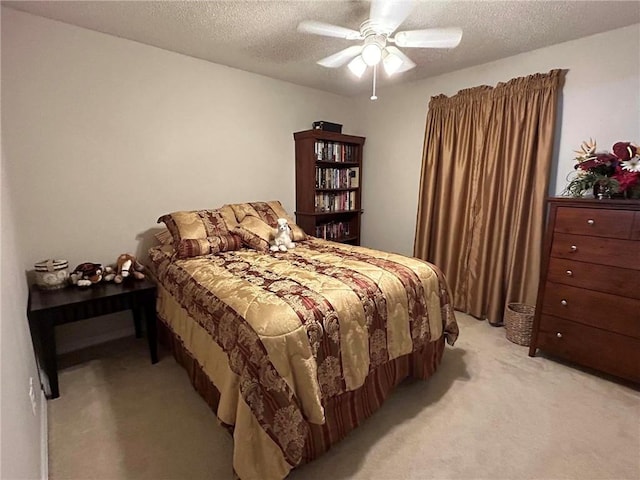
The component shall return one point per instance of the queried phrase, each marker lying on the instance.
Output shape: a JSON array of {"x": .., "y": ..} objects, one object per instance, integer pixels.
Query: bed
[{"x": 292, "y": 350}]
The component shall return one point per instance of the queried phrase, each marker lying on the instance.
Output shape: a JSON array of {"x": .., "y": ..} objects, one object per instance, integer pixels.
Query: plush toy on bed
[
  {"x": 88, "y": 273},
  {"x": 127, "y": 266},
  {"x": 282, "y": 237}
]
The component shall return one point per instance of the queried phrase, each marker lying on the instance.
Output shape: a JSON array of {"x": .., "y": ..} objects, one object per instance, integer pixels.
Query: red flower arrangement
[{"x": 606, "y": 174}]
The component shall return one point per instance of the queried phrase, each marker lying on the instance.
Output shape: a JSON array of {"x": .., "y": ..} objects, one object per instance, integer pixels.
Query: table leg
[
  {"x": 152, "y": 331},
  {"x": 49, "y": 360},
  {"x": 137, "y": 319}
]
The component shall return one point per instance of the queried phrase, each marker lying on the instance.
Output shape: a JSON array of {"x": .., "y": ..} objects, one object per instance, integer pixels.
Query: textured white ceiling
[{"x": 261, "y": 36}]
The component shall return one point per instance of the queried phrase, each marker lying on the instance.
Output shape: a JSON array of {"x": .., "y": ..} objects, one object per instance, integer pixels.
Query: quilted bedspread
[{"x": 302, "y": 326}]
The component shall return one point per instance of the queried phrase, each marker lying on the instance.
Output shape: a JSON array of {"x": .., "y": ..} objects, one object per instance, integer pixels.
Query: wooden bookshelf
[{"x": 328, "y": 184}]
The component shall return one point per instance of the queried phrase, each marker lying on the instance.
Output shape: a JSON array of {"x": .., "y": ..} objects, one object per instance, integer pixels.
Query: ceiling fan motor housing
[{"x": 371, "y": 27}]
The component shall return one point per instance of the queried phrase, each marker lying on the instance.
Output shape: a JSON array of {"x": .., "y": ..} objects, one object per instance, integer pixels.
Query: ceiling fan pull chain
[{"x": 375, "y": 74}]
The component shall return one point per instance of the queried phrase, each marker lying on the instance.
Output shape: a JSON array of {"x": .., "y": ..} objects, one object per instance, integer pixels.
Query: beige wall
[
  {"x": 20, "y": 427},
  {"x": 601, "y": 99},
  {"x": 21, "y": 424},
  {"x": 101, "y": 135}
]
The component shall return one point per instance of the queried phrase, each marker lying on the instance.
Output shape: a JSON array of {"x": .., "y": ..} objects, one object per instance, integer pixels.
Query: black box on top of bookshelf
[{"x": 327, "y": 126}]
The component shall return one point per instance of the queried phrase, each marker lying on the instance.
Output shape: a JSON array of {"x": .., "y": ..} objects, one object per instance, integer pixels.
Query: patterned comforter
[{"x": 298, "y": 328}]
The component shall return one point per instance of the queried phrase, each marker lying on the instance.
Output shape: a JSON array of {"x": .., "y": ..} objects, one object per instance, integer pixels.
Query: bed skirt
[{"x": 344, "y": 412}]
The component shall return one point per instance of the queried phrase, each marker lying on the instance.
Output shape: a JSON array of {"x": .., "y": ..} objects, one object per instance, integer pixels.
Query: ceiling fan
[{"x": 378, "y": 43}]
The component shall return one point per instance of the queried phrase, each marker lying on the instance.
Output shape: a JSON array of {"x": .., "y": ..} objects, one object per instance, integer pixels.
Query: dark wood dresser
[{"x": 588, "y": 307}]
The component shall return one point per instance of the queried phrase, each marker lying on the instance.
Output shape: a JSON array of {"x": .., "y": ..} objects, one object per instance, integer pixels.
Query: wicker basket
[{"x": 518, "y": 322}]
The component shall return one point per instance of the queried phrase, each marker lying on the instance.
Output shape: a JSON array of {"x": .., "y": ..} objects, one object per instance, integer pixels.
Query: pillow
[
  {"x": 268, "y": 212},
  {"x": 255, "y": 233},
  {"x": 164, "y": 237},
  {"x": 201, "y": 232},
  {"x": 196, "y": 247}
]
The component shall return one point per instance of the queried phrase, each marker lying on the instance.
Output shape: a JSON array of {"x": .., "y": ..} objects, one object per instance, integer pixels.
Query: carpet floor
[{"x": 490, "y": 412}]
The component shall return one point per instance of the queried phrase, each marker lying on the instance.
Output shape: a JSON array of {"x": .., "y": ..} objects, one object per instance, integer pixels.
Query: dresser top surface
[{"x": 614, "y": 203}]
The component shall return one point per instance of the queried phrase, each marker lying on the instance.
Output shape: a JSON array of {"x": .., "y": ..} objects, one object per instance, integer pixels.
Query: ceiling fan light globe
[
  {"x": 372, "y": 54},
  {"x": 357, "y": 66},
  {"x": 391, "y": 63}
]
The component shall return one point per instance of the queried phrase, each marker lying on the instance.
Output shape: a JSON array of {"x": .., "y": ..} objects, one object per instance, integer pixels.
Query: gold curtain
[{"x": 485, "y": 175}]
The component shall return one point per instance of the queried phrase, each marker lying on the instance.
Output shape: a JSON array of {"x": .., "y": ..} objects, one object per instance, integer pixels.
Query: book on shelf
[
  {"x": 327, "y": 151},
  {"x": 334, "y": 202},
  {"x": 337, "y": 178},
  {"x": 354, "y": 177},
  {"x": 333, "y": 230}
]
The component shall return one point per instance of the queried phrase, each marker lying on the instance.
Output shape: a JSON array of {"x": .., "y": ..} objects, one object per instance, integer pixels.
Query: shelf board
[
  {"x": 350, "y": 238},
  {"x": 330, "y": 136},
  {"x": 336, "y": 189},
  {"x": 329, "y": 163},
  {"x": 334, "y": 212}
]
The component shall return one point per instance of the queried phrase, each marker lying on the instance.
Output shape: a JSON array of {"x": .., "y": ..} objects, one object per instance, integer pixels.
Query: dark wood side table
[{"x": 46, "y": 309}]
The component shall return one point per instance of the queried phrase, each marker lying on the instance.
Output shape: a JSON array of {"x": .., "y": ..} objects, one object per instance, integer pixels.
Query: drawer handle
[
  {"x": 559, "y": 335},
  {"x": 570, "y": 273},
  {"x": 574, "y": 248},
  {"x": 591, "y": 221},
  {"x": 563, "y": 302}
]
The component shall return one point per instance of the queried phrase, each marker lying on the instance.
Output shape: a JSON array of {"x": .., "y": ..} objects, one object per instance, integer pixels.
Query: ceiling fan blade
[
  {"x": 343, "y": 56},
  {"x": 389, "y": 14},
  {"x": 328, "y": 30},
  {"x": 407, "y": 63},
  {"x": 429, "y": 38}
]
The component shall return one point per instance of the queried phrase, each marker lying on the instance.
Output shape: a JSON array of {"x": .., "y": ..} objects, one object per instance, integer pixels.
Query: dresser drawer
[
  {"x": 602, "y": 310},
  {"x": 594, "y": 222},
  {"x": 615, "y": 280},
  {"x": 635, "y": 230},
  {"x": 592, "y": 347},
  {"x": 605, "y": 251}
]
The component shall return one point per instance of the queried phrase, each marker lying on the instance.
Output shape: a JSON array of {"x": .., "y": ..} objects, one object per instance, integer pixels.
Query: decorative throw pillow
[
  {"x": 195, "y": 247},
  {"x": 269, "y": 212},
  {"x": 255, "y": 233},
  {"x": 164, "y": 237},
  {"x": 202, "y": 232}
]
